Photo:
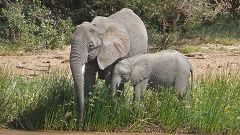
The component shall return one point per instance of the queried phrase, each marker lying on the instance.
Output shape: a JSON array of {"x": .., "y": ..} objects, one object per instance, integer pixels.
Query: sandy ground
[
  {"x": 36, "y": 64},
  {"x": 216, "y": 62}
]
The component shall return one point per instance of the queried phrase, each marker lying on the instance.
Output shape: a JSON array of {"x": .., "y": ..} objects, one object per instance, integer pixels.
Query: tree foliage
[
  {"x": 33, "y": 26},
  {"x": 38, "y": 22},
  {"x": 229, "y": 7}
]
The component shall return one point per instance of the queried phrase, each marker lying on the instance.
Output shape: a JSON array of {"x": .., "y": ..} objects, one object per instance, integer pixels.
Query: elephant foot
[{"x": 80, "y": 126}]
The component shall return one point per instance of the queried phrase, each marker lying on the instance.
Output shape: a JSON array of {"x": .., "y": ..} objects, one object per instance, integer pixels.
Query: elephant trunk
[
  {"x": 114, "y": 85},
  {"x": 77, "y": 61}
]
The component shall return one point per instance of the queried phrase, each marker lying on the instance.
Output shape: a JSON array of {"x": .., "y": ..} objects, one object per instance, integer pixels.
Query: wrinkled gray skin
[
  {"x": 98, "y": 45},
  {"x": 166, "y": 68}
]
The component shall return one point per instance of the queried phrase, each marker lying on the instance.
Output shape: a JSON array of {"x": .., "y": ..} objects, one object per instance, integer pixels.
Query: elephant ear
[
  {"x": 141, "y": 70},
  {"x": 116, "y": 44}
]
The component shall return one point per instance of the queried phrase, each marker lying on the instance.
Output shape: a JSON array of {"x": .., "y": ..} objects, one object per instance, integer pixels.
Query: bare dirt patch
[
  {"x": 32, "y": 65},
  {"x": 36, "y": 64},
  {"x": 215, "y": 62}
]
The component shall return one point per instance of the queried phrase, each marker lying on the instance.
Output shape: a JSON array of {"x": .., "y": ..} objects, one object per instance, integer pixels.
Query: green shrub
[
  {"x": 215, "y": 105},
  {"x": 186, "y": 49},
  {"x": 33, "y": 26}
]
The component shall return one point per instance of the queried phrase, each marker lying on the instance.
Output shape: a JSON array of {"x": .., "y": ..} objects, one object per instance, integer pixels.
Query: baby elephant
[{"x": 166, "y": 68}]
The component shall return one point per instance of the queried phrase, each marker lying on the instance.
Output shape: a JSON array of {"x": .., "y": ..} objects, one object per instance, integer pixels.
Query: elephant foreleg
[
  {"x": 108, "y": 81},
  {"x": 139, "y": 89},
  {"x": 120, "y": 90},
  {"x": 116, "y": 92},
  {"x": 108, "y": 76},
  {"x": 89, "y": 78}
]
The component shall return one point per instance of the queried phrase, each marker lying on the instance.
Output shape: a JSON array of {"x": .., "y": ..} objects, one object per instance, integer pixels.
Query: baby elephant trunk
[{"x": 116, "y": 81}]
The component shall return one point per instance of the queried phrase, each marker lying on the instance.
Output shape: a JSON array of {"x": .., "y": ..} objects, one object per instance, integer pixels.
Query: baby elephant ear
[
  {"x": 141, "y": 70},
  {"x": 116, "y": 44}
]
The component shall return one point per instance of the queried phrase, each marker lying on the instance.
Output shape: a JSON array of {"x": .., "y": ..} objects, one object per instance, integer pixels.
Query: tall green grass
[
  {"x": 48, "y": 103},
  {"x": 215, "y": 105}
]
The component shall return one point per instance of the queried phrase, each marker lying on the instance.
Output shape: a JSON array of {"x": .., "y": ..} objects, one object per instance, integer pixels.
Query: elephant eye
[{"x": 91, "y": 45}]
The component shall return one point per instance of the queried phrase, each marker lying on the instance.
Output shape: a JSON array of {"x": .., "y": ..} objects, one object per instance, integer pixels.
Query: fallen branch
[
  {"x": 195, "y": 56},
  {"x": 23, "y": 67},
  {"x": 65, "y": 61},
  {"x": 43, "y": 66},
  {"x": 58, "y": 57}
]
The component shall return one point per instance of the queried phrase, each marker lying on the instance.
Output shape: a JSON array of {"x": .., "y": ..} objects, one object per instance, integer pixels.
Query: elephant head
[
  {"x": 121, "y": 74},
  {"x": 135, "y": 69},
  {"x": 103, "y": 40}
]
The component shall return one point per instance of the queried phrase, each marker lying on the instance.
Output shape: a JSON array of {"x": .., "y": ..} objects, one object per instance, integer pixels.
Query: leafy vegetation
[
  {"x": 186, "y": 49},
  {"x": 48, "y": 103},
  {"x": 34, "y": 25},
  {"x": 220, "y": 31}
]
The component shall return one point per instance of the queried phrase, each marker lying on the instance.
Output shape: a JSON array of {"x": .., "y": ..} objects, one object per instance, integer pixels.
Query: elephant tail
[
  {"x": 189, "y": 93},
  {"x": 191, "y": 72}
]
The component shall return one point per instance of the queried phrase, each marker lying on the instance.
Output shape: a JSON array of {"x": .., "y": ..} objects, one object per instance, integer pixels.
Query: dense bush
[
  {"x": 36, "y": 24},
  {"x": 33, "y": 26}
]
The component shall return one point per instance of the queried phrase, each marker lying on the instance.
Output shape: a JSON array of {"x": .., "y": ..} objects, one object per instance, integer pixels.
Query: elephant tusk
[{"x": 83, "y": 69}]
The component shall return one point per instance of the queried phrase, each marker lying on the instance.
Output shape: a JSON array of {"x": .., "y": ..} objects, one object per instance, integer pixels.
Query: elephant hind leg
[
  {"x": 139, "y": 90},
  {"x": 181, "y": 84}
]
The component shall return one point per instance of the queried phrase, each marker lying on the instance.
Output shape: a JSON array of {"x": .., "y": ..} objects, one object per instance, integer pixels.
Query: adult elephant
[{"x": 98, "y": 45}]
